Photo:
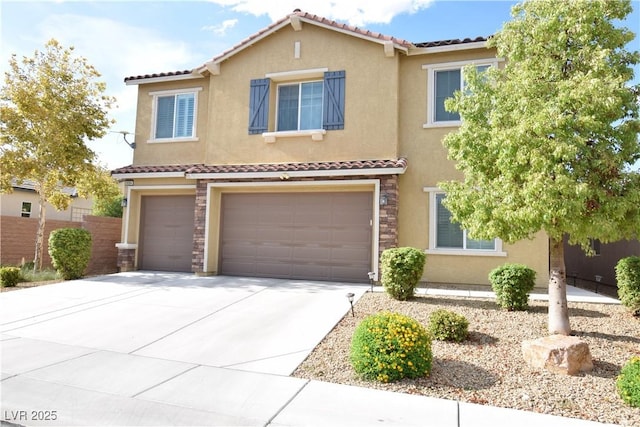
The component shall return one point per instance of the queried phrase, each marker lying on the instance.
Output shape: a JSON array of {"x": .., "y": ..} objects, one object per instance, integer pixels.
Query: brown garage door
[
  {"x": 316, "y": 236},
  {"x": 166, "y": 241}
]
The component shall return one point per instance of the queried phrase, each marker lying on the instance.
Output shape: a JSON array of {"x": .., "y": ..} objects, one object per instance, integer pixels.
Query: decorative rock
[{"x": 558, "y": 353}]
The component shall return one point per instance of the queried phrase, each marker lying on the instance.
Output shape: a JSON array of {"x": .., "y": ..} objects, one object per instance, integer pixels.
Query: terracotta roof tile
[
  {"x": 155, "y": 75},
  {"x": 267, "y": 167},
  {"x": 320, "y": 20},
  {"x": 451, "y": 42},
  {"x": 152, "y": 169}
]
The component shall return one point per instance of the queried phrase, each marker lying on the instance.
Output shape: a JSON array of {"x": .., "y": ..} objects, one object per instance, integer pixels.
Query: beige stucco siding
[
  {"x": 371, "y": 120},
  {"x": 429, "y": 165},
  {"x": 170, "y": 153}
]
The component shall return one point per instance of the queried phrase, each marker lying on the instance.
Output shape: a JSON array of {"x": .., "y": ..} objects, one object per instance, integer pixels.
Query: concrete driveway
[{"x": 149, "y": 348}]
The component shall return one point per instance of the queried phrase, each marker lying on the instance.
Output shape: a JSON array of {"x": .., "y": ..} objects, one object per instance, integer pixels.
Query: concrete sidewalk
[{"x": 166, "y": 349}]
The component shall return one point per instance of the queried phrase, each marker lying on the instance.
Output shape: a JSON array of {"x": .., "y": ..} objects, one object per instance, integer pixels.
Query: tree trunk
[
  {"x": 37, "y": 260},
  {"x": 558, "y": 309}
]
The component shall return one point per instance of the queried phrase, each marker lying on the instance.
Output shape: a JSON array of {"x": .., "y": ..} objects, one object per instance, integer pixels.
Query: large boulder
[{"x": 558, "y": 353}]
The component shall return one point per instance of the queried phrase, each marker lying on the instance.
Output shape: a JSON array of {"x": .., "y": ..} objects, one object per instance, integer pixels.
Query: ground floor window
[{"x": 446, "y": 236}]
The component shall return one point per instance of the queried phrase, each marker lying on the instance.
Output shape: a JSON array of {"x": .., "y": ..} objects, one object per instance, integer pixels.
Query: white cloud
[
  {"x": 221, "y": 29},
  {"x": 354, "y": 12}
]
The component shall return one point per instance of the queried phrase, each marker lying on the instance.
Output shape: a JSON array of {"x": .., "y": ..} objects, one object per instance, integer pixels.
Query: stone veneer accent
[
  {"x": 388, "y": 237},
  {"x": 126, "y": 260}
]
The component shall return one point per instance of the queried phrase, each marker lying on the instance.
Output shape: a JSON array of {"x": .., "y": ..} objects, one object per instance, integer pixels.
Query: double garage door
[{"x": 316, "y": 236}]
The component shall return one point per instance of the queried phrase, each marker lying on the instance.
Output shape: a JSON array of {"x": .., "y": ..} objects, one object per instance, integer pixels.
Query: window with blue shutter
[
  {"x": 259, "y": 106},
  {"x": 334, "y": 94}
]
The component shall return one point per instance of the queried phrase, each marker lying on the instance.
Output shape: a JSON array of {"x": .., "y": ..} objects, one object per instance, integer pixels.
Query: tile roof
[
  {"x": 267, "y": 167},
  {"x": 319, "y": 20},
  {"x": 451, "y": 42},
  {"x": 309, "y": 17},
  {"x": 156, "y": 75}
]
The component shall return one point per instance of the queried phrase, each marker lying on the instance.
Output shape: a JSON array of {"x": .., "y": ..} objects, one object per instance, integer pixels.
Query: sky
[{"x": 126, "y": 38}]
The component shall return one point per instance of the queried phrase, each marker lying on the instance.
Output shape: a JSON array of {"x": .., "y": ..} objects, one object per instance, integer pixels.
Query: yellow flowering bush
[{"x": 391, "y": 346}]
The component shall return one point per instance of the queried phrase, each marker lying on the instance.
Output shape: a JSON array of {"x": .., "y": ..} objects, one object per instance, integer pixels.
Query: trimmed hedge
[
  {"x": 512, "y": 284},
  {"x": 628, "y": 278},
  {"x": 401, "y": 270},
  {"x": 446, "y": 325},
  {"x": 70, "y": 251},
  {"x": 9, "y": 276}
]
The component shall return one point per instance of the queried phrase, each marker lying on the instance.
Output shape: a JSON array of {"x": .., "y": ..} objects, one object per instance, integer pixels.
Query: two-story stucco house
[{"x": 303, "y": 152}]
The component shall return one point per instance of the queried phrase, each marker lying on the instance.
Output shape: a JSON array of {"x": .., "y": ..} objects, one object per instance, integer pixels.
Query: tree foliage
[
  {"x": 549, "y": 138},
  {"x": 50, "y": 104},
  {"x": 108, "y": 199}
]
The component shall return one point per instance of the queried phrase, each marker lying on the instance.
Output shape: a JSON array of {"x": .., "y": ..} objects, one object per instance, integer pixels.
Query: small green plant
[
  {"x": 9, "y": 276},
  {"x": 401, "y": 270},
  {"x": 70, "y": 251},
  {"x": 628, "y": 278},
  {"x": 512, "y": 284},
  {"x": 391, "y": 346},
  {"x": 44, "y": 275},
  {"x": 628, "y": 382},
  {"x": 446, "y": 325}
]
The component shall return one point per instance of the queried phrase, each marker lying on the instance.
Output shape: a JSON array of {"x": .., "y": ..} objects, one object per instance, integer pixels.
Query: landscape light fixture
[
  {"x": 371, "y": 276},
  {"x": 350, "y": 296}
]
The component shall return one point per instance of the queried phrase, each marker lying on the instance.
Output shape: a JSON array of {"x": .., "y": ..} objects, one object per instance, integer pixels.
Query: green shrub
[
  {"x": 512, "y": 284},
  {"x": 446, "y": 325},
  {"x": 401, "y": 270},
  {"x": 628, "y": 382},
  {"x": 390, "y": 346},
  {"x": 70, "y": 250},
  {"x": 9, "y": 276},
  {"x": 628, "y": 278}
]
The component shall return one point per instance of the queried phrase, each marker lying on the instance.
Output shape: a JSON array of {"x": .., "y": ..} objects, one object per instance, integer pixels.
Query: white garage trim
[
  {"x": 146, "y": 187},
  {"x": 346, "y": 183}
]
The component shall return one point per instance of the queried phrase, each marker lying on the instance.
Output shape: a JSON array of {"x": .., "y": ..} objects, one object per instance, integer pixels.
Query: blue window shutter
[
  {"x": 259, "y": 106},
  {"x": 333, "y": 114}
]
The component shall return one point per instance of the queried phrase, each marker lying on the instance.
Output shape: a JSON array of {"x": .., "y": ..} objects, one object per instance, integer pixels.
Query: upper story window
[
  {"x": 299, "y": 106},
  {"x": 25, "y": 211},
  {"x": 174, "y": 115},
  {"x": 443, "y": 81},
  {"x": 304, "y": 107},
  {"x": 448, "y": 238}
]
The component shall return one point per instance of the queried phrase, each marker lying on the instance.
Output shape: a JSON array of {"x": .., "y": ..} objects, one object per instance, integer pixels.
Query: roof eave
[
  {"x": 159, "y": 79},
  {"x": 448, "y": 48}
]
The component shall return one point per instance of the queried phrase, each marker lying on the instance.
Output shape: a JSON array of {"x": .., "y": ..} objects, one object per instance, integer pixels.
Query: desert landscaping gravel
[{"x": 488, "y": 367}]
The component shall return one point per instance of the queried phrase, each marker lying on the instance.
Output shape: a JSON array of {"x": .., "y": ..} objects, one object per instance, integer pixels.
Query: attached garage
[
  {"x": 166, "y": 233},
  {"x": 315, "y": 236}
]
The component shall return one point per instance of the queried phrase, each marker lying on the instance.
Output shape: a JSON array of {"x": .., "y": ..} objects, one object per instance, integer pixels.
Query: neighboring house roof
[
  {"x": 296, "y": 19},
  {"x": 29, "y": 185},
  {"x": 354, "y": 167}
]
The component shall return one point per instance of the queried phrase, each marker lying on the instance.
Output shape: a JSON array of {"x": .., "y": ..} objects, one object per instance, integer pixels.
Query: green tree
[
  {"x": 108, "y": 200},
  {"x": 50, "y": 104},
  {"x": 548, "y": 142}
]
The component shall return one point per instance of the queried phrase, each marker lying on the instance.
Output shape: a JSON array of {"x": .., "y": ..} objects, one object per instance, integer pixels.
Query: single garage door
[
  {"x": 315, "y": 236},
  {"x": 166, "y": 241}
]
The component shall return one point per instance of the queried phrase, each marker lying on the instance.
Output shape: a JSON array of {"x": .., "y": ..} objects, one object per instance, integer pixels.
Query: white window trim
[
  {"x": 431, "y": 90},
  {"x": 434, "y": 250},
  {"x": 315, "y": 134},
  {"x": 154, "y": 103}
]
